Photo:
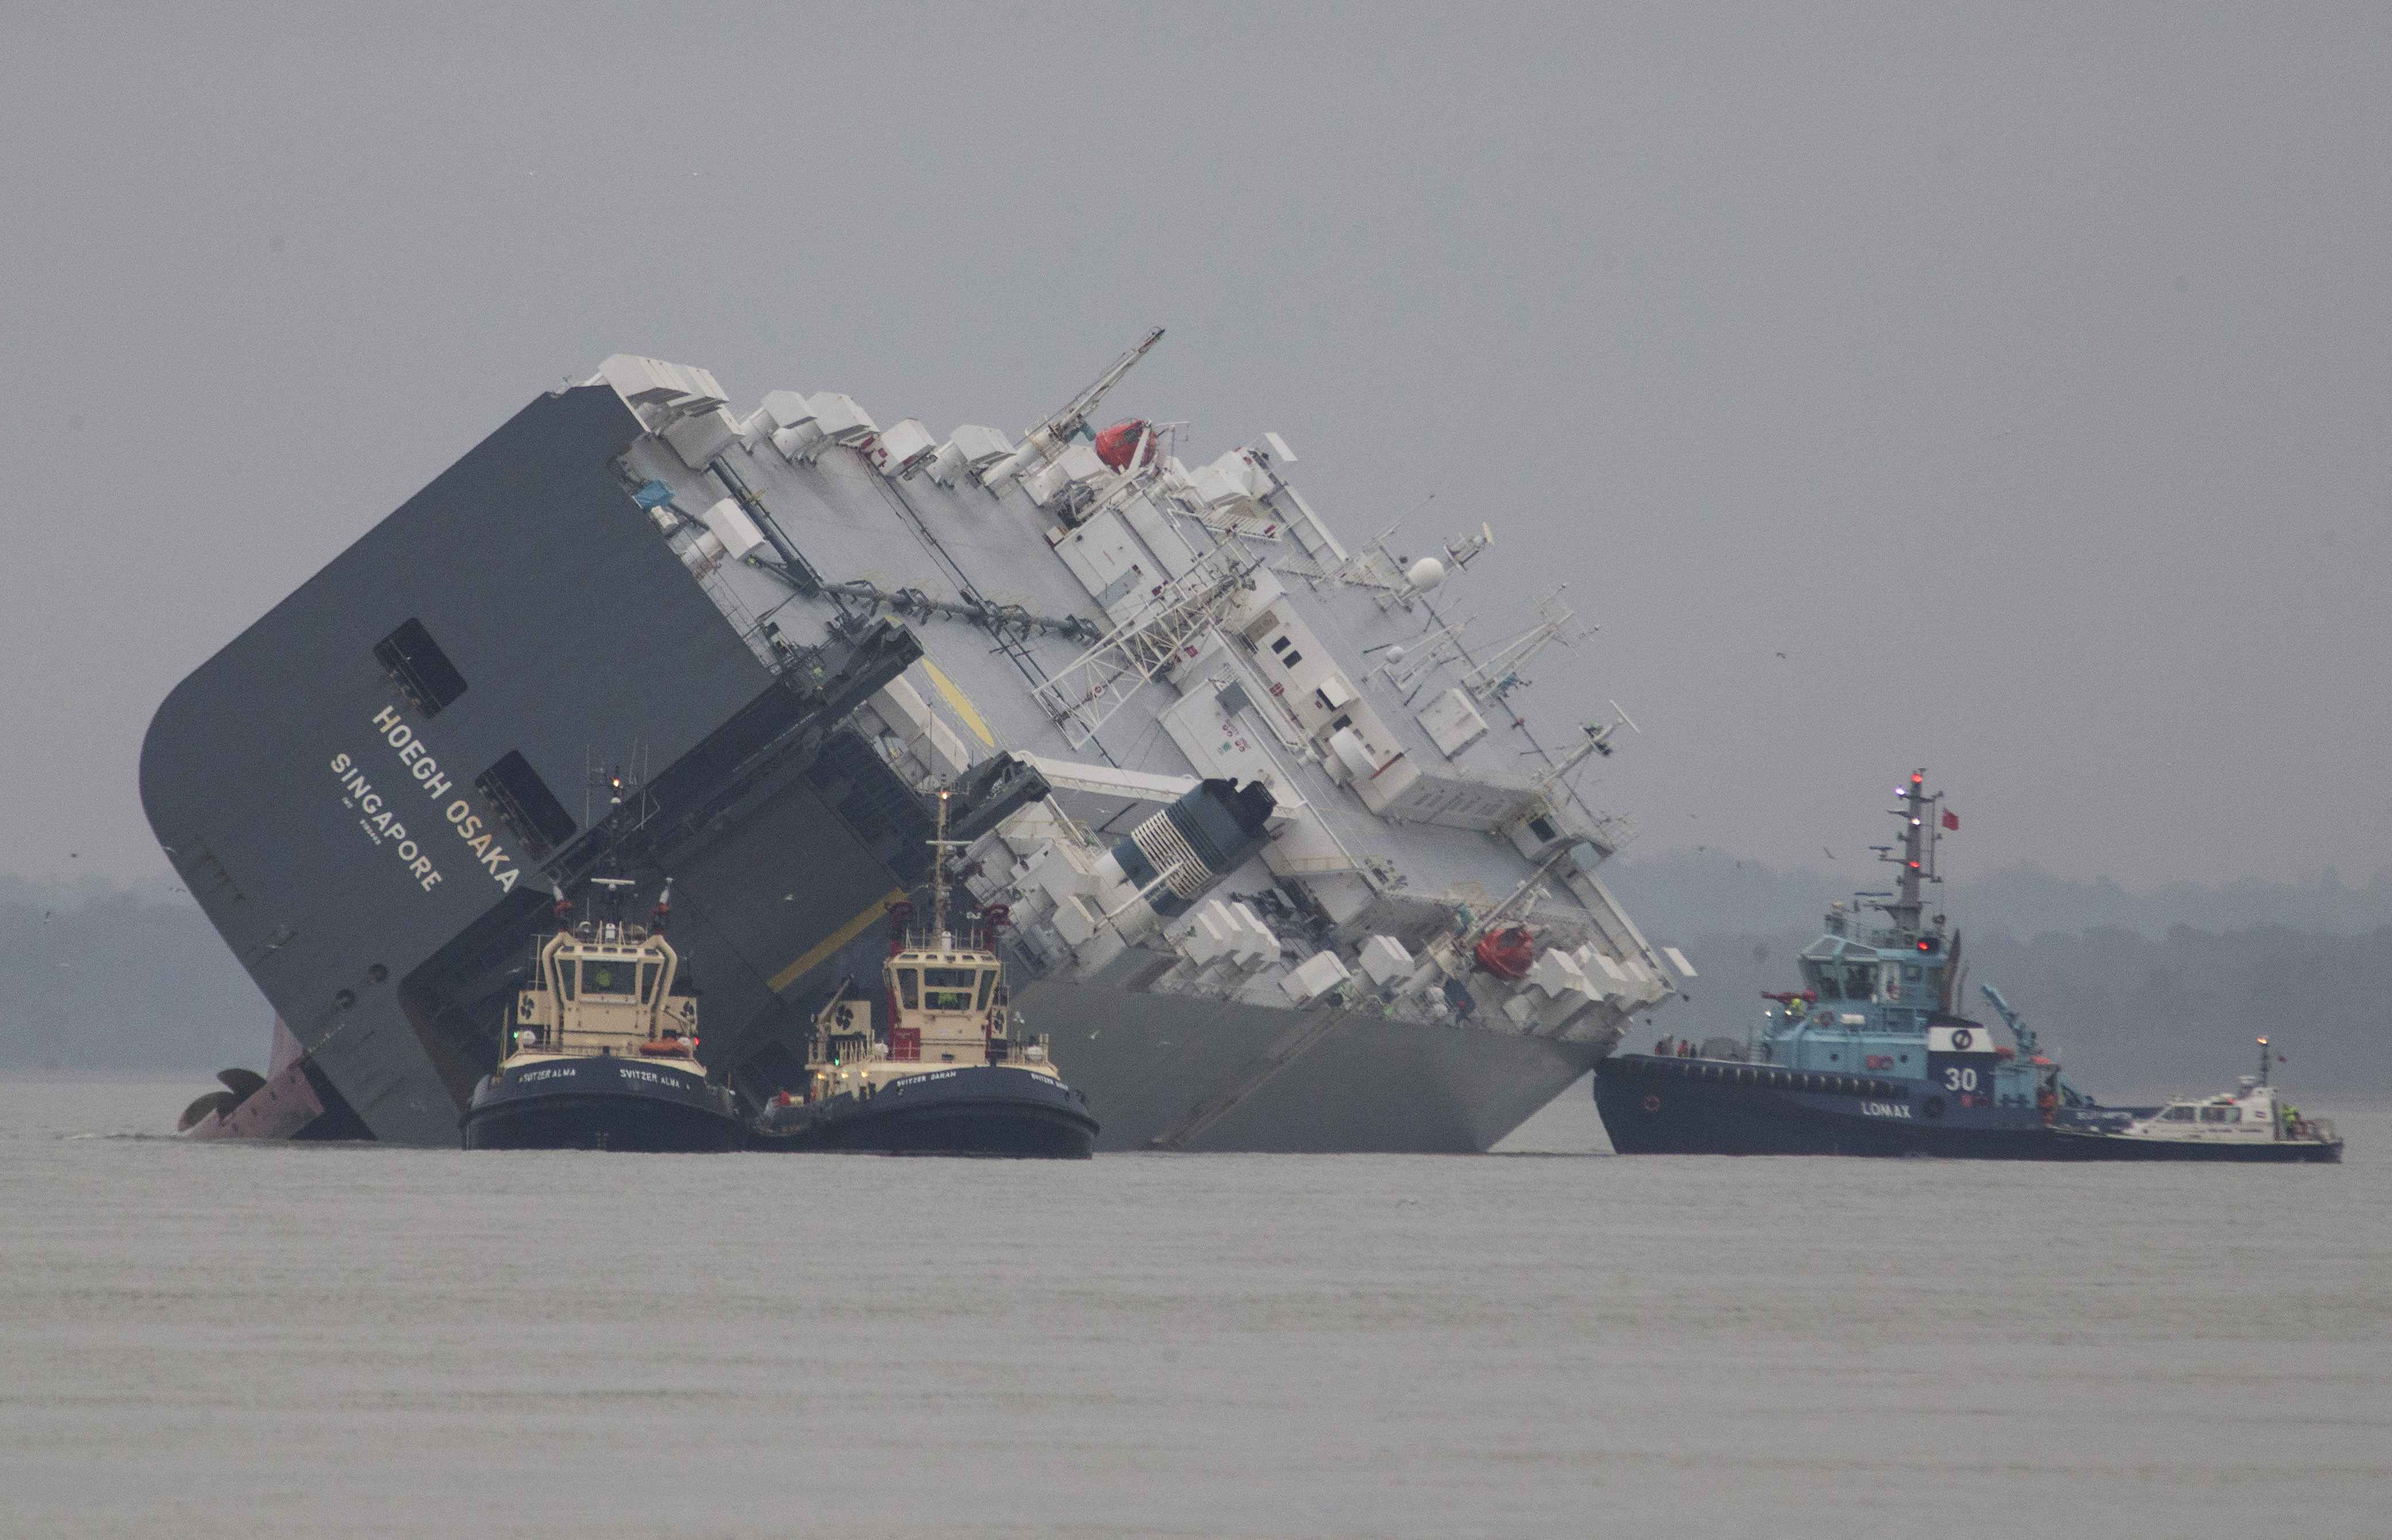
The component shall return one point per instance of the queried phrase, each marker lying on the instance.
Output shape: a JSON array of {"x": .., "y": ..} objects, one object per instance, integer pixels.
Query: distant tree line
[{"x": 97, "y": 980}]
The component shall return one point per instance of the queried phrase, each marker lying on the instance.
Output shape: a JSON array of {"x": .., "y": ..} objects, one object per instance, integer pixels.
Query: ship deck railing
[{"x": 585, "y": 1043}]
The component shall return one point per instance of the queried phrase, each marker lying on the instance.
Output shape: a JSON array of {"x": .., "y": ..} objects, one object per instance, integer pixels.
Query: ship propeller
[{"x": 198, "y": 1111}]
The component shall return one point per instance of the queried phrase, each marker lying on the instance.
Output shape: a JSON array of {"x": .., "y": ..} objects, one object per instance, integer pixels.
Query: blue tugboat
[{"x": 1871, "y": 1055}]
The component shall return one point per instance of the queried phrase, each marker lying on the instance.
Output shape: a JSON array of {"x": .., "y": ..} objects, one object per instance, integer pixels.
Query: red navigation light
[
  {"x": 1913, "y": 866},
  {"x": 1925, "y": 945},
  {"x": 1916, "y": 777}
]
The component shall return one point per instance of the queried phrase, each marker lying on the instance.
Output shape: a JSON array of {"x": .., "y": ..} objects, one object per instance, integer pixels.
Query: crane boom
[
  {"x": 2017, "y": 1023},
  {"x": 1046, "y": 440},
  {"x": 1077, "y": 414}
]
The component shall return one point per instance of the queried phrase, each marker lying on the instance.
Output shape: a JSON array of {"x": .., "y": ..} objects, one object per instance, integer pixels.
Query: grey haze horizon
[{"x": 2002, "y": 391}]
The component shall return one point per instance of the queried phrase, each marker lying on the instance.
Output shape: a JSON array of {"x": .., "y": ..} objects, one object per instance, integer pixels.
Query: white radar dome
[{"x": 1425, "y": 573}]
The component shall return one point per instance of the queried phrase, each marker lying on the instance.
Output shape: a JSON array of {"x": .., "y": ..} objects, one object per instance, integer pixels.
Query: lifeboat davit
[{"x": 1116, "y": 443}]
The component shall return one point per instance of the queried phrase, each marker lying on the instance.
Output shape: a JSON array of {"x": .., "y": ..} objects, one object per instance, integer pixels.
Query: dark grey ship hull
[
  {"x": 380, "y": 907},
  {"x": 601, "y": 1104},
  {"x": 1655, "y": 1106},
  {"x": 984, "y": 1110},
  {"x": 1168, "y": 1072}
]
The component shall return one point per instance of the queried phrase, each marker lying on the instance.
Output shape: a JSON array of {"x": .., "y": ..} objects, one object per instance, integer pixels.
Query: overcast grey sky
[{"x": 2020, "y": 375}]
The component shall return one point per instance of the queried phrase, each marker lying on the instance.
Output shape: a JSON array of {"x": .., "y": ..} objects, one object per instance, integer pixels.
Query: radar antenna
[
  {"x": 1597, "y": 741},
  {"x": 1499, "y": 675}
]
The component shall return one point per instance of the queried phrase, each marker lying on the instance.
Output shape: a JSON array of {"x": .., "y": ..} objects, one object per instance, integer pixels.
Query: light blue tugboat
[{"x": 1871, "y": 1055}]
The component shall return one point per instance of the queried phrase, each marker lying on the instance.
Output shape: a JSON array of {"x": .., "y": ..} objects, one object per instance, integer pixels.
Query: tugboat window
[
  {"x": 987, "y": 988},
  {"x": 1860, "y": 981},
  {"x": 909, "y": 989},
  {"x": 947, "y": 989},
  {"x": 608, "y": 976},
  {"x": 647, "y": 982},
  {"x": 565, "y": 979}
]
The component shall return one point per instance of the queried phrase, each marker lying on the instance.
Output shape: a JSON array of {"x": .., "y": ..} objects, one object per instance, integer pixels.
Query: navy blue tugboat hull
[
  {"x": 1654, "y": 1105},
  {"x": 980, "y": 1110},
  {"x": 609, "y": 1104}
]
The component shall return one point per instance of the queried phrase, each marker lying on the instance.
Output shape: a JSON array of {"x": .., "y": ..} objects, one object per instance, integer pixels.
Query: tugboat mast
[
  {"x": 1917, "y": 857},
  {"x": 940, "y": 846}
]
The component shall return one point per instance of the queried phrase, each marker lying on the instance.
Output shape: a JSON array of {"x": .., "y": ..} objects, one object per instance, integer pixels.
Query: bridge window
[
  {"x": 987, "y": 988},
  {"x": 1860, "y": 980},
  {"x": 909, "y": 985},
  {"x": 2221, "y": 1114},
  {"x": 2179, "y": 1115},
  {"x": 1823, "y": 978},
  {"x": 947, "y": 989},
  {"x": 647, "y": 982},
  {"x": 608, "y": 976}
]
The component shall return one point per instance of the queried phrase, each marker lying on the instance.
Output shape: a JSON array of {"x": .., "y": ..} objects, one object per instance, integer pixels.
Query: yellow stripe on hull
[{"x": 836, "y": 940}]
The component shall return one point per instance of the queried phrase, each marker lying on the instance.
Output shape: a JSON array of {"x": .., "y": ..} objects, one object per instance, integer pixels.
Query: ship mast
[
  {"x": 938, "y": 848},
  {"x": 1917, "y": 852}
]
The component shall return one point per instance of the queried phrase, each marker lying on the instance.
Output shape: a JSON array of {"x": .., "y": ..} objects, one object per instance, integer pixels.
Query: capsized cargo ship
[{"x": 1258, "y": 800}]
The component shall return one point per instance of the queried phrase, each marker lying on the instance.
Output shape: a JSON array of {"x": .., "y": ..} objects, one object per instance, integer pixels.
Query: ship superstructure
[{"x": 1255, "y": 796}]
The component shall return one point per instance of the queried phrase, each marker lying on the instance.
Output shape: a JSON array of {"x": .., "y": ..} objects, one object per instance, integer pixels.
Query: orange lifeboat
[
  {"x": 1507, "y": 953},
  {"x": 1116, "y": 443}
]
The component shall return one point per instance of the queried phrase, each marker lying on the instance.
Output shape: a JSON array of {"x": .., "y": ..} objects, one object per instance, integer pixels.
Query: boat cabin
[
  {"x": 606, "y": 988},
  {"x": 2251, "y": 1114},
  {"x": 947, "y": 1009}
]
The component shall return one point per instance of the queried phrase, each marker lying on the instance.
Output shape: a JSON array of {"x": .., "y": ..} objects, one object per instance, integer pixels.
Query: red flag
[{"x": 1951, "y": 820}]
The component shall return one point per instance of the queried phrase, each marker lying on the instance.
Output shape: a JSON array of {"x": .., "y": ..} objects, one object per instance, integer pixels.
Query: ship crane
[
  {"x": 1046, "y": 440},
  {"x": 2017, "y": 1023}
]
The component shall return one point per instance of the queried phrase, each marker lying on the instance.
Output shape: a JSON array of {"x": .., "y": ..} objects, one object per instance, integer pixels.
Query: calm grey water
[{"x": 212, "y": 1340}]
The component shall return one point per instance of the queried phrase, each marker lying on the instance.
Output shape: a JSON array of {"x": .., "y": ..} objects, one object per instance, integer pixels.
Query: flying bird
[{"x": 1831, "y": 855}]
